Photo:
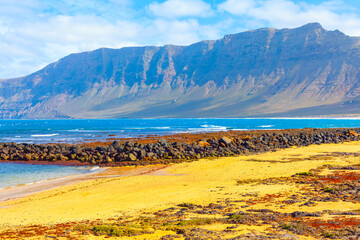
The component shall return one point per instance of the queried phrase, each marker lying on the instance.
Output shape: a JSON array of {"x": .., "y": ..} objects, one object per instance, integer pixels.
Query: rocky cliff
[{"x": 267, "y": 72}]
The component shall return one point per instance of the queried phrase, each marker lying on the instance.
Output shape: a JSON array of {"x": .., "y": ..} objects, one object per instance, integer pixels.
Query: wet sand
[{"x": 40, "y": 186}]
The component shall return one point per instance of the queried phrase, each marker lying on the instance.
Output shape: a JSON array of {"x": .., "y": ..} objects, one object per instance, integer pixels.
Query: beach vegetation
[
  {"x": 83, "y": 228},
  {"x": 287, "y": 226},
  {"x": 118, "y": 231},
  {"x": 304, "y": 174},
  {"x": 187, "y": 205},
  {"x": 197, "y": 222},
  {"x": 236, "y": 217},
  {"x": 329, "y": 190},
  {"x": 328, "y": 235}
]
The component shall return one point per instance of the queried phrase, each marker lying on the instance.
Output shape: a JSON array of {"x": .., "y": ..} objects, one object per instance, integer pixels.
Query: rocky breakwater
[{"x": 121, "y": 153}]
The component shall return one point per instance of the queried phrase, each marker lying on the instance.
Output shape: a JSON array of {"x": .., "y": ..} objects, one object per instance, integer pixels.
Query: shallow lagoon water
[{"x": 12, "y": 174}]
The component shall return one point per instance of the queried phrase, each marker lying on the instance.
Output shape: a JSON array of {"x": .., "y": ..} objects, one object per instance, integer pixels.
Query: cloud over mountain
[
  {"x": 34, "y": 33},
  {"x": 288, "y": 72}
]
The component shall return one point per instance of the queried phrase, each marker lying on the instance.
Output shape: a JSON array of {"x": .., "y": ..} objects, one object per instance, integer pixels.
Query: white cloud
[
  {"x": 286, "y": 13},
  {"x": 80, "y": 29},
  {"x": 29, "y": 46},
  {"x": 179, "y": 32},
  {"x": 34, "y": 33},
  {"x": 181, "y": 8},
  {"x": 237, "y": 7}
]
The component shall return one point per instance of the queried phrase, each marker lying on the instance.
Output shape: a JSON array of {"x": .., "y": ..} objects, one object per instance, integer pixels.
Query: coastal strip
[
  {"x": 172, "y": 149},
  {"x": 294, "y": 193},
  {"x": 23, "y": 190}
]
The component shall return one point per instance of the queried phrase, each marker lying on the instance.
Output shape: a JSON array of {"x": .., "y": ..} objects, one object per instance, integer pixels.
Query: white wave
[
  {"x": 144, "y": 128},
  {"x": 266, "y": 126},
  {"x": 160, "y": 128},
  {"x": 74, "y": 130},
  {"x": 94, "y": 131},
  {"x": 45, "y": 135},
  {"x": 95, "y": 168},
  {"x": 206, "y": 126}
]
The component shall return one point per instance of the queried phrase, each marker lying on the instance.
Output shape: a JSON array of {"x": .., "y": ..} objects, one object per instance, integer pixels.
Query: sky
[{"x": 35, "y": 33}]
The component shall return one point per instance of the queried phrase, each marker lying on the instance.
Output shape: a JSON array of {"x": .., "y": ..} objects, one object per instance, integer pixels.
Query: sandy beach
[
  {"x": 40, "y": 186},
  {"x": 135, "y": 192}
]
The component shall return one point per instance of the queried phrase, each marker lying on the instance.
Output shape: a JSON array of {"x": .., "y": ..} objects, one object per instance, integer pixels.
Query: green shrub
[
  {"x": 329, "y": 190},
  {"x": 118, "y": 231},
  {"x": 304, "y": 174},
  {"x": 286, "y": 226},
  {"x": 196, "y": 222},
  {"x": 328, "y": 235},
  {"x": 187, "y": 205}
]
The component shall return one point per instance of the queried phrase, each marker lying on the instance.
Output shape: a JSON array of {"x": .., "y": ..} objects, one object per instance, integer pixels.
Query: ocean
[{"x": 73, "y": 131}]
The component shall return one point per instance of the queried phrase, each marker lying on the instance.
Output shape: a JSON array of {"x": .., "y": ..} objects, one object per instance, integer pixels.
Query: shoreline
[
  {"x": 277, "y": 193},
  {"x": 290, "y": 187},
  {"x": 174, "y": 148},
  {"x": 249, "y": 142},
  {"x": 26, "y": 189}
]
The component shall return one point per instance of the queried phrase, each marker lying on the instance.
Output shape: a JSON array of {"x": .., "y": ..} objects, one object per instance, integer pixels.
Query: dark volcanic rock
[
  {"x": 132, "y": 157},
  {"x": 164, "y": 151},
  {"x": 225, "y": 140}
]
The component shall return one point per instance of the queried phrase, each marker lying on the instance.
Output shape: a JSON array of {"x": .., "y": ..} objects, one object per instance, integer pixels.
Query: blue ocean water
[
  {"x": 72, "y": 131},
  {"x": 12, "y": 174}
]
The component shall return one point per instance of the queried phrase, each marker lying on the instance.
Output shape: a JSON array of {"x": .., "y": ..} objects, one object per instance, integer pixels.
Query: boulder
[
  {"x": 204, "y": 143},
  {"x": 111, "y": 149},
  {"x": 76, "y": 150},
  {"x": 225, "y": 140},
  {"x": 108, "y": 160},
  {"x": 27, "y": 157},
  {"x": 132, "y": 157},
  {"x": 142, "y": 154}
]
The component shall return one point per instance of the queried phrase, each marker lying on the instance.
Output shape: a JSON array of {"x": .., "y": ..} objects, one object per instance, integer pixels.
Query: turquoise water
[
  {"x": 70, "y": 131},
  {"x": 12, "y": 174}
]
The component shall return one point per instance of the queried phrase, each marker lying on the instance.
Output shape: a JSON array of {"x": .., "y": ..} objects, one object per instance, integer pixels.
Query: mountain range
[{"x": 305, "y": 71}]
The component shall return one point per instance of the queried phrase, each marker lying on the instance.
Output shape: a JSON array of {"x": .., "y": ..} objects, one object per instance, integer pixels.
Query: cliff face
[{"x": 295, "y": 72}]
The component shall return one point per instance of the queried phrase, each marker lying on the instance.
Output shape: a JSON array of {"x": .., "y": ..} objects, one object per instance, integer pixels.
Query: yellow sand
[{"x": 202, "y": 182}]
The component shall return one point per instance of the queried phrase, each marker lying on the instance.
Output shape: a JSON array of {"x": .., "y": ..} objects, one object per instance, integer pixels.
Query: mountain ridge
[{"x": 264, "y": 72}]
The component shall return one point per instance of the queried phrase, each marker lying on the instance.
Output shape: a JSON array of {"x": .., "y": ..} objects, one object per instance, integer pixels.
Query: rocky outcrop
[
  {"x": 134, "y": 153},
  {"x": 288, "y": 72}
]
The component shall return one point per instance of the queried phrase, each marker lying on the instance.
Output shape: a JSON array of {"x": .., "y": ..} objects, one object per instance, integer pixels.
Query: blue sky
[{"x": 34, "y": 33}]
